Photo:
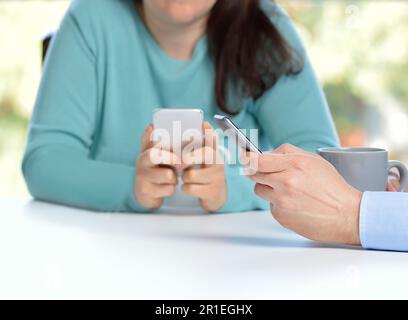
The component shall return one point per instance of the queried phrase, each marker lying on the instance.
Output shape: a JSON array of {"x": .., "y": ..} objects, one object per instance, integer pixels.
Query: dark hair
[{"x": 248, "y": 51}]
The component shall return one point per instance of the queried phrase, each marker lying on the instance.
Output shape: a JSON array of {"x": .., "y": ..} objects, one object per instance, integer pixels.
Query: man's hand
[
  {"x": 393, "y": 184},
  {"x": 307, "y": 194}
]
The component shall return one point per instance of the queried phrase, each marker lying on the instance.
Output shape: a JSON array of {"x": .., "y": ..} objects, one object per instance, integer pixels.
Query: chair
[{"x": 46, "y": 41}]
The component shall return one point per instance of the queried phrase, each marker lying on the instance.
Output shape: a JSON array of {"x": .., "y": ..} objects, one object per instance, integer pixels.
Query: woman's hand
[
  {"x": 307, "y": 195},
  {"x": 208, "y": 181},
  {"x": 155, "y": 174}
]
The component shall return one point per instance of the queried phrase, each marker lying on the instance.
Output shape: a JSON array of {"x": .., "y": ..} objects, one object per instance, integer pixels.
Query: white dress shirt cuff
[{"x": 384, "y": 221}]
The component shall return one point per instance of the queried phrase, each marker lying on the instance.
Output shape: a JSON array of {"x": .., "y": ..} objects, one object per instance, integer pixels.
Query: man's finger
[
  {"x": 264, "y": 192},
  {"x": 270, "y": 162},
  {"x": 393, "y": 185},
  {"x": 269, "y": 179},
  {"x": 288, "y": 149},
  {"x": 249, "y": 159}
]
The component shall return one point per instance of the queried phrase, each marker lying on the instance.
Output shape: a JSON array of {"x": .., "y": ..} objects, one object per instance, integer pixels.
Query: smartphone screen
[
  {"x": 233, "y": 132},
  {"x": 178, "y": 128}
]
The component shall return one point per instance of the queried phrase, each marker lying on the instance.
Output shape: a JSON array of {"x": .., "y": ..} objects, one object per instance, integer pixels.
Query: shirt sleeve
[
  {"x": 384, "y": 221},
  {"x": 58, "y": 165},
  {"x": 295, "y": 110}
]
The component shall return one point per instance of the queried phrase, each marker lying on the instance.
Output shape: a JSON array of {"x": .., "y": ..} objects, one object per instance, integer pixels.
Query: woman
[{"x": 114, "y": 61}]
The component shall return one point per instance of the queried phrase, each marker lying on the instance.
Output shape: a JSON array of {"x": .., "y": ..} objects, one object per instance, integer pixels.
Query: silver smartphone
[
  {"x": 232, "y": 132},
  {"x": 175, "y": 128}
]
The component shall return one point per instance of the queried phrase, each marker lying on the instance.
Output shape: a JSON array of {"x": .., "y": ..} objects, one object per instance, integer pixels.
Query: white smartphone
[
  {"x": 176, "y": 129},
  {"x": 232, "y": 132},
  {"x": 179, "y": 131}
]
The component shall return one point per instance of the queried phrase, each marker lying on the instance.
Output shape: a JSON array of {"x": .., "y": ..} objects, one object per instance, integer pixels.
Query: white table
[{"x": 50, "y": 251}]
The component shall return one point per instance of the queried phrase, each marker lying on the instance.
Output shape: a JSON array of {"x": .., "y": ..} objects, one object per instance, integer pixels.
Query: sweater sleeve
[{"x": 58, "y": 164}]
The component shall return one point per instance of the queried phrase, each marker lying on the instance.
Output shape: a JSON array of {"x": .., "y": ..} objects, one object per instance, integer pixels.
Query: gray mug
[{"x": 366, "y": 169}]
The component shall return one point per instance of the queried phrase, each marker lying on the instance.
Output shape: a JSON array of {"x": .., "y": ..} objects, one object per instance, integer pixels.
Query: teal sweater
[{"x": 103, "y": 77}]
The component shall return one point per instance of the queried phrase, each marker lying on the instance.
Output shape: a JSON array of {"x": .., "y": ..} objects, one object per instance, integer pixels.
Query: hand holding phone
[
  {"x": 206, "y": 181},
  {"x": 233, "y": 133},
  {"x": 154, "y": 181},
  {"x": 201, "y": 182}
]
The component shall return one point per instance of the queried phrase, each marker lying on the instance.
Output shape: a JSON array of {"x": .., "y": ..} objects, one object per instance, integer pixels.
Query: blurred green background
[{"x": 359, "y": 50}]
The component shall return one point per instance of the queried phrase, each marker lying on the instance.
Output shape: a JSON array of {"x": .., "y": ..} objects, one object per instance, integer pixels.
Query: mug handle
[{"x": 403, "y": 171}]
